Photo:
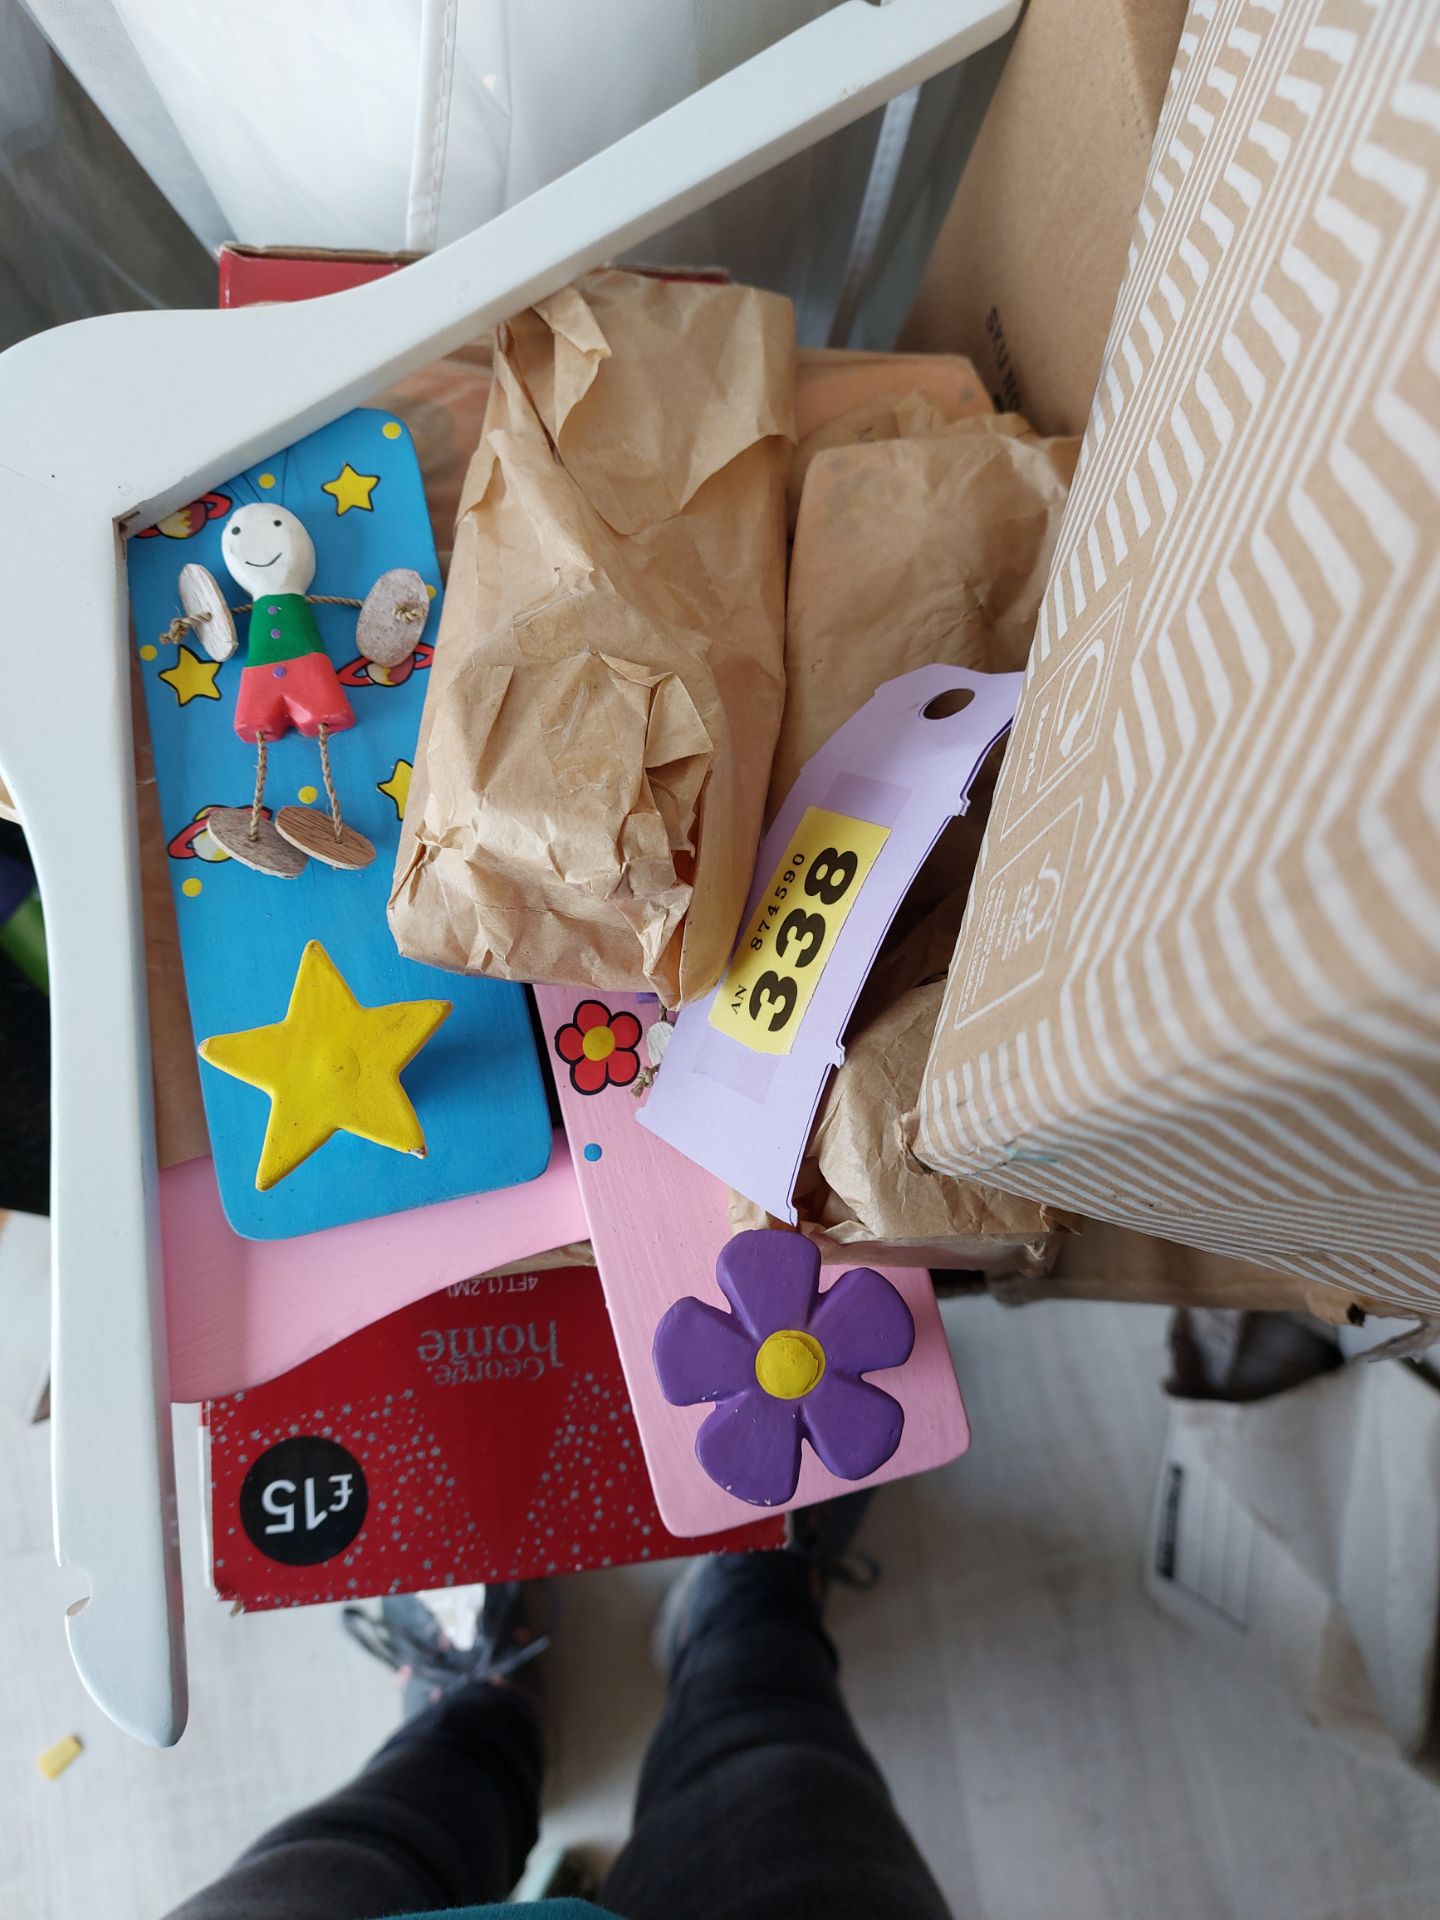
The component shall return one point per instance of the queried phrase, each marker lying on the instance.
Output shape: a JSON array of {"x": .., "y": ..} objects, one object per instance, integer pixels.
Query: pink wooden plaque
[
  {"x": 243, "y": 1311},
  {"x": 658, "y": 1223}
]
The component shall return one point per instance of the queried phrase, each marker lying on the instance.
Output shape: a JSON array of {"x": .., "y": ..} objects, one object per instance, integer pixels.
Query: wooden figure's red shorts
[{"x": 304, "y": 693}]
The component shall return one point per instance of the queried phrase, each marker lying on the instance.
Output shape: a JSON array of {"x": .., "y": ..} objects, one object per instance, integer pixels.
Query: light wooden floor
[{"x": 1058, "y": 1748}]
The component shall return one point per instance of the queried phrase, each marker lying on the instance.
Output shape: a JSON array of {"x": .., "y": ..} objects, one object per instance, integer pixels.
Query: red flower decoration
[{"x": 599, "y": 1047}]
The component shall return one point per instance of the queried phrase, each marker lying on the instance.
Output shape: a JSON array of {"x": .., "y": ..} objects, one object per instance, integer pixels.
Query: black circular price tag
[{"x": 304, "y": 1500}]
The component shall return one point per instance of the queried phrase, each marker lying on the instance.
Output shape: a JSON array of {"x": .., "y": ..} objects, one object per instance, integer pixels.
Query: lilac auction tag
[{"x": 746, "y": 1067}]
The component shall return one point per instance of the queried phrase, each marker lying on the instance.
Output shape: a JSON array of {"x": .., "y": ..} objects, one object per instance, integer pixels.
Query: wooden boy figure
[{"x": 288, "y": 679}]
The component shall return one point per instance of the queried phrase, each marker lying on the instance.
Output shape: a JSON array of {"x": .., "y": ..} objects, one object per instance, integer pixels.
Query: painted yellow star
[
  {"x": 191, "y": 677},
  {"x": 352, "y": 489},
  {"x": 397, "y": 787},
  {"x": 330, "y": 1066}
]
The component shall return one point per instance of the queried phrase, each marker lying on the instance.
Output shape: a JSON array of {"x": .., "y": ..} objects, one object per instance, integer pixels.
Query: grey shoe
[
  {"x": 823, "y": 1536},
  {"x": 408, "y": 1638},
  {"x": 820, "y": 1537}
]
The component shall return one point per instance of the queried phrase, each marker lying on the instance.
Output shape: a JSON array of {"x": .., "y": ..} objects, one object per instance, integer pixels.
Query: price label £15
[{"x": 791, "y": 932}]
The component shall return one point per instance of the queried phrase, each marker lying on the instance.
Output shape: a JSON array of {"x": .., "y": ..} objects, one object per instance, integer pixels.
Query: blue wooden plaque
[{"x": 477, "y": 1085}]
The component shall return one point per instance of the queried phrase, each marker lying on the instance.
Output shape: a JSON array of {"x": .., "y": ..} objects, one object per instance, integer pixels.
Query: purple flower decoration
[{"x": 786, "y": 1366}]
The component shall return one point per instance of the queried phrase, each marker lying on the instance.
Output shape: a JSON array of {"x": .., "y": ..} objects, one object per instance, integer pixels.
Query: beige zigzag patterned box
[{"x": 1197, "y": 990}]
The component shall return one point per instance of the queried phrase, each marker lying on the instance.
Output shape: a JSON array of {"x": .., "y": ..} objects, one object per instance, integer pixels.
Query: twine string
[
  {"x": 259, "y": 788},
  {"x": 330, "y": 793}
]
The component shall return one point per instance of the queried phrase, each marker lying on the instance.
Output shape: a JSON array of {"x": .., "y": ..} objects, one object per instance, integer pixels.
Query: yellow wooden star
[
  {"x": 330, "y": 1066},
  {"x": 397, "y": 787},
  {"x": 191, "y": 677},
  {"x": 352, "y": 489}
]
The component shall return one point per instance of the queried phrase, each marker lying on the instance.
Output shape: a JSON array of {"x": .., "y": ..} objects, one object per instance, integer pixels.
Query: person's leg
[
  {"x": 442, "y": 1816},
  {"x": 757, "y": 1799}
]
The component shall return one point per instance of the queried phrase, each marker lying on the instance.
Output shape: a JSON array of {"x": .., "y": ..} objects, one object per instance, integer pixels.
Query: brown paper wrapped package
[
  {"x": 608, "y": 677},
  {"x": 930, "y": 547},
  {"x": 845, "y": 399},
  {"x": 831, "y": 382},
  {"x": 911, "y": 551}
]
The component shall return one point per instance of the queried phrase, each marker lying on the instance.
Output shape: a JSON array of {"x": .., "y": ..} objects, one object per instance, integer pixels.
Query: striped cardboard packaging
[{"x": 1197, "y": 991}]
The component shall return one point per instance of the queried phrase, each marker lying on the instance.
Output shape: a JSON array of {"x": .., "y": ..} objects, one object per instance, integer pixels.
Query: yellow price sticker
[{"x": 787, "y": 941}]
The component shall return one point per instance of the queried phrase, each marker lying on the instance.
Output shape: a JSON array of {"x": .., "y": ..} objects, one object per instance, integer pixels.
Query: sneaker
[
  {"x": 820, "y": 1537},
  {"x": 411, "y": 1641}
]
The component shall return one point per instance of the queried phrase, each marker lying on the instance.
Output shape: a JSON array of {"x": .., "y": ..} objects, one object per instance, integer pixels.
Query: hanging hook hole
[{"x": 946, "y": 705}]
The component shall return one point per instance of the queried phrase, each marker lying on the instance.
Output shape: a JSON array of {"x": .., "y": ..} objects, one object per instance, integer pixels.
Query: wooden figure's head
[{"x": 267, "y": 549}]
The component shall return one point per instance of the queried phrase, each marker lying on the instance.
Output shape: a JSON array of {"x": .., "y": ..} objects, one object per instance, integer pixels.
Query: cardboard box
[
  {"x": 1025, "y": 270},
  {"x": 483, "y": 1433},
  {"x": 1197, "y": 989},
  {"x": 257, "y": 276}
]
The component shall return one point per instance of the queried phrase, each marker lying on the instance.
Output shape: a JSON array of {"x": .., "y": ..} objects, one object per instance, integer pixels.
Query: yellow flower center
[
  {"x": 790, "y": 1364},
  {"x": 598, "y": 1044}
]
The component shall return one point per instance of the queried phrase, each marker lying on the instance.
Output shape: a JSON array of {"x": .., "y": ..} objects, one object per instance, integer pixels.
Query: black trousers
[{"x": 757, "y": 1800}]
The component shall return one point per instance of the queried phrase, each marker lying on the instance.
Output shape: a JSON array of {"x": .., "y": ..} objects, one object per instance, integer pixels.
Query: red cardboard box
[{"x": 481, "y": 1434}]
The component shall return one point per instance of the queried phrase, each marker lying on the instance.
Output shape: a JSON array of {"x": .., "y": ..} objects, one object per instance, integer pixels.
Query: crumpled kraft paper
[
  {"x": 877, "y": 1190},
  {"x": 860, "y": 1185},
  {"x": 832, "y": 381},
  {"x": 911, "y": 551},
  {"x": 608, "y": 677}
]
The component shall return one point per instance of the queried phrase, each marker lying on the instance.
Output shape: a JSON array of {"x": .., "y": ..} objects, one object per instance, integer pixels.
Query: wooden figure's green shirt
[{"x": 282, "y": 628}]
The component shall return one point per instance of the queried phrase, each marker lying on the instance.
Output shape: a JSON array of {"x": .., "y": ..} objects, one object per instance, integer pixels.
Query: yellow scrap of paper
[
  {"x": 786, "y": 943},
  {"x": 53, "y": 1762}
]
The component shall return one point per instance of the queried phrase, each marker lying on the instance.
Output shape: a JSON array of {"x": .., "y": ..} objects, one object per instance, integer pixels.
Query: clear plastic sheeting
[
  {"x": 82, "y": 229},
  {"x": 395, "y": 124},
  {"x": 398, "y": 123}
]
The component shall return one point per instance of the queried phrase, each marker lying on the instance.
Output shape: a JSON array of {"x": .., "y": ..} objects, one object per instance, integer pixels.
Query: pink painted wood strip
[
  {"x": 243, "y": 1311},
  {"x": 657, "y": 1223}
]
